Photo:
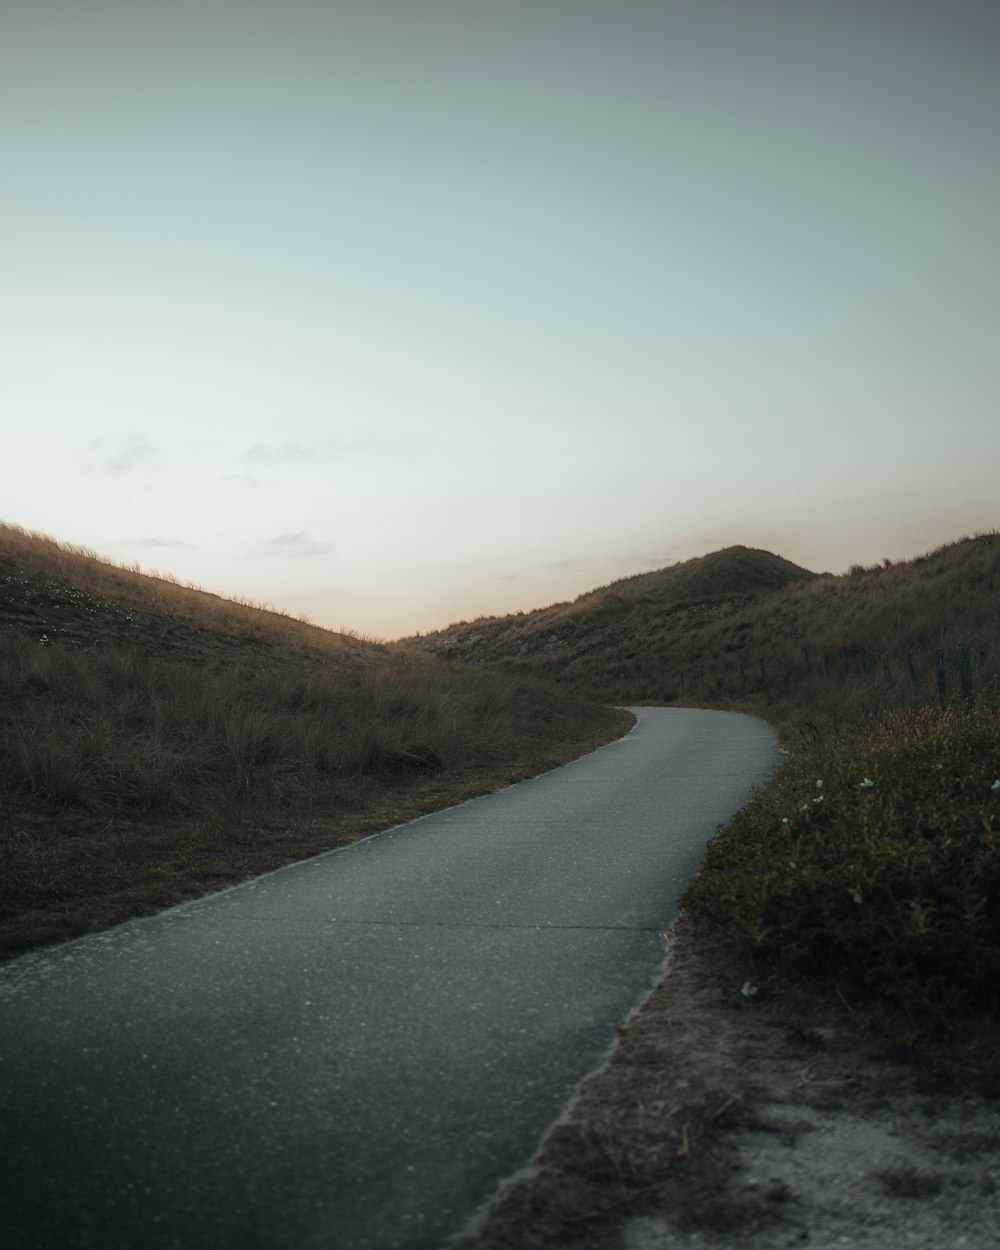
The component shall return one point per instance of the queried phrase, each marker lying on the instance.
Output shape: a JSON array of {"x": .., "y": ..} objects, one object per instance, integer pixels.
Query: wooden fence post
[
  {"x": 965, "y": 671},
  {"x": 942, "y": 680}
]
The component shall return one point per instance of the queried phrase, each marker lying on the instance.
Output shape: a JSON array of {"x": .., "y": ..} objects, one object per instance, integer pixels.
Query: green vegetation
[
  {"x": 156, "y": 741},
  {"x": 873, "y": 861}
]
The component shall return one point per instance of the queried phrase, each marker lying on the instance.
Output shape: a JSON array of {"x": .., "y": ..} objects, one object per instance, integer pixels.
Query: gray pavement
[{"x": 353, "y": 1052}]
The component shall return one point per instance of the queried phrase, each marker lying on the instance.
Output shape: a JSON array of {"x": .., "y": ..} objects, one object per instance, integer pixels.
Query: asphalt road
[{"x": 353, "y": 1052}]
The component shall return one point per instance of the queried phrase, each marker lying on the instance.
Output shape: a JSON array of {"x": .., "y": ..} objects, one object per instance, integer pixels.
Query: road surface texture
[{"x": 353, "y": 1052}]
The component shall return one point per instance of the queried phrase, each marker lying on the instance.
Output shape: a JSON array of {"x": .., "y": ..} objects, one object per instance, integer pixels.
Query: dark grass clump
[{"x": 873, "y": 860}]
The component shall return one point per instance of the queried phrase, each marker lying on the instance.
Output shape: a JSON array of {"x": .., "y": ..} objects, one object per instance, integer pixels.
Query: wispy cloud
[
  {"x": 291, "y": 547},
  {"x": 119, "y": 455},
  {"x": 320, "y": 451},
  {"x": 154, "y": 544}
]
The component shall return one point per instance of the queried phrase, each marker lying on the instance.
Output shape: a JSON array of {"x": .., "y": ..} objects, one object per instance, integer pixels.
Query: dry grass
[
  {"x": 764, "y": 636},
  {"x": 156, "y": 742}
]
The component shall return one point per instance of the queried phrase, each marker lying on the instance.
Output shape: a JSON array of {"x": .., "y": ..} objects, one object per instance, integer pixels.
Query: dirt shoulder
[{"x": 728, "y": 1120}]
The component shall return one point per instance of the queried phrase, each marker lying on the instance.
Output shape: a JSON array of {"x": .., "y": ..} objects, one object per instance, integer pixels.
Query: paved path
[{"x": 351, "y": 1053}]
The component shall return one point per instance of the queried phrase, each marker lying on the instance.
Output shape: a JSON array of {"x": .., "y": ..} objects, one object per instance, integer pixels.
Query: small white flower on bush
[
  {"x": 819, "y": 785},
  {"x": 867, "y": 783},
  {"x": 996, "y": 784},
  {"x": 784, "y": 819},
  {"x": 819, "y": 799},
  {"x": 748, "y": 990},
  {"x": 857, "y": 896}
]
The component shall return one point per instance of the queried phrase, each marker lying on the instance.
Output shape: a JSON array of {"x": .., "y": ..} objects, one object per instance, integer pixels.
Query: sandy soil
[{"x": 727, "y": 1120}]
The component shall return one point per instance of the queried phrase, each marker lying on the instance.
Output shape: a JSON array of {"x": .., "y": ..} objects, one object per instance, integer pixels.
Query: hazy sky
[{"x": 392, "y": 312}]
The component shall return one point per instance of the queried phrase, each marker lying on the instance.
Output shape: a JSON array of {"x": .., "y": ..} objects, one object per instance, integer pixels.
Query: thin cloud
[
  {"x": 120, "y": 455},
  {"x": 291, "y": 547},
  {"x": 155, "y": 544},
  {"x": 322, "y": 451}
]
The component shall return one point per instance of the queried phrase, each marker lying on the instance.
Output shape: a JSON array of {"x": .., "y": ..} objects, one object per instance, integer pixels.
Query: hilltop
[
  {"x": 158, "y": 741},
  {"x": 615, "y": 618},
  {"x": 747, "y": 629}
]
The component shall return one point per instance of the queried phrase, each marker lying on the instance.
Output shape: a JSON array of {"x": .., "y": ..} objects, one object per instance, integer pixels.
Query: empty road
[{"x": 353, "y": 1052}]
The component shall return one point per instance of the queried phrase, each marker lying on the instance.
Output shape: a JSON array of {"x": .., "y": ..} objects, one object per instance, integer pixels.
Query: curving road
[{"x": 352, "y": 1052}]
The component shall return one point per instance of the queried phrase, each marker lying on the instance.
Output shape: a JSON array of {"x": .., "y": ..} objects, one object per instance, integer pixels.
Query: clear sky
[{"x": 395, "y": 312}]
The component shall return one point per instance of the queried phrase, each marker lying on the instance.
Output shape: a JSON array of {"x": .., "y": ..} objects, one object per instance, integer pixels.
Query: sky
[{"x": 392, "y": 313}]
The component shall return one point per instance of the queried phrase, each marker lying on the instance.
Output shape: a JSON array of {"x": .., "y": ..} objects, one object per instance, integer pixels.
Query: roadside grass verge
[{"x": 871, "y": 863}]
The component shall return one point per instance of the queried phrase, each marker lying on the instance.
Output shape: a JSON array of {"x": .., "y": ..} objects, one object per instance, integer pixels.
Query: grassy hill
[
  {"x": 157, "y": 741},
  {"x": 747, "y": 629}
]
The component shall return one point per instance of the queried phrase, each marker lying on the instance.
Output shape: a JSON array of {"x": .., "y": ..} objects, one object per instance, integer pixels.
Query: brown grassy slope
[
  {"x": 821, "y": 638},
  {"x": 615, "y": 623},
  {"x": 156, "y": 741},
  {"x": 60, "y": 593}
]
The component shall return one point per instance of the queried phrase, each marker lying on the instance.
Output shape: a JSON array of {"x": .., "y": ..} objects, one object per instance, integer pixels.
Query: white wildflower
[
  {"x": 857, "y": 896},
  {"x": 748, "y": 990},
  {"x": 867, "y": 783},
  {"x": 784, "y": 819},
  {"x": 819, "y": 799},
  {"x": 996, "y": 784},
  {"x": 819, "y": 785}
]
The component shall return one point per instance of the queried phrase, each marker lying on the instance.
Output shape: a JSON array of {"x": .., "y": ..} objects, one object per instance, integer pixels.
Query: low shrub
[{"x": 873, "y": 859}]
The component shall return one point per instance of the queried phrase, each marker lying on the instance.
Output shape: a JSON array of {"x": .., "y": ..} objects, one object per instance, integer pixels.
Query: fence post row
[
  {"x": 965, "y": 672},
  {"x": 965, "y": 657}
]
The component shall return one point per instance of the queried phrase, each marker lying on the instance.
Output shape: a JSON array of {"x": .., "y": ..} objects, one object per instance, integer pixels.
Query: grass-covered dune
[
  {"x": 157, "y": 741},
  {"x": 744, "y": 628}
]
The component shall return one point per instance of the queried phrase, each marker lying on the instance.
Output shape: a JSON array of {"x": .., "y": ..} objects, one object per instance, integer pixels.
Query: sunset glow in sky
[{"x": 395, "y": 312}]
